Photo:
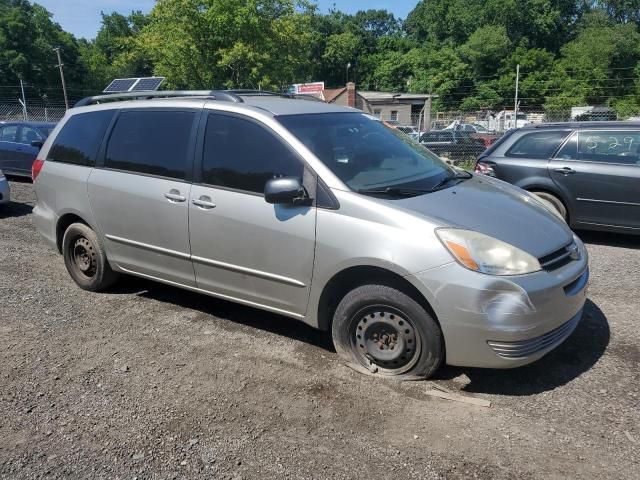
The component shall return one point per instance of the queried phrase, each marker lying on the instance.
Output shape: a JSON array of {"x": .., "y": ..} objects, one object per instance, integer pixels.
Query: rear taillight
[
  {"x": 35, "y": 168},
  {"x": 485, "y": 169}
]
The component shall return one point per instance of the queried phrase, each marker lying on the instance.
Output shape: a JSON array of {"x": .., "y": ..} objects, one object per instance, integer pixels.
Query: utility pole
[
  {"x": 23, "y": 102},
  {"x": 64, "y": 86},
  {"x": 515, "y": 103}
]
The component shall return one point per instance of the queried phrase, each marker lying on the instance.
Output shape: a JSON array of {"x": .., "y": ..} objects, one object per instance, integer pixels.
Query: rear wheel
[
  {"x": 380, "y": 330},
  {"x": 85, "y": 259},
  {"x": 555, "y": 203}
]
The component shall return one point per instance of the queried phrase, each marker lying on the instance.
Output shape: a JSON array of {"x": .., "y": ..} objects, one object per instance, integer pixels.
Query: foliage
[
  {"x": 27, "y": 39},
  {"x": 227, "y": 43},
  {"x": 570, "y": 52}
]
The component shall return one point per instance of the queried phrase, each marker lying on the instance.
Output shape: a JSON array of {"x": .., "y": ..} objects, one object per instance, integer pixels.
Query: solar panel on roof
[
  {"x": 145, "y": 84},
  {"x": 120, "y": 85}
]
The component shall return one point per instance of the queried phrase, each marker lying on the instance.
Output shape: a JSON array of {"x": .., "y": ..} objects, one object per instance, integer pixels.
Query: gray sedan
[{"x": 589, "y": 171}]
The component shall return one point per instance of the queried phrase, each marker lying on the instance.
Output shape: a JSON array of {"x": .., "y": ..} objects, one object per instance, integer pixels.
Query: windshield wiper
[
  {"x": 411, "y": 192},
  {"x": 448, "y": 178},
  {"x": 397, "y": 191}
]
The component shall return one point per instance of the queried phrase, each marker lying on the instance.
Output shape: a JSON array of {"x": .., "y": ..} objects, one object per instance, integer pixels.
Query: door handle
[
  {"x": 204, "y": 202},
  {"x": 564, "y": 170},
  {"x": 174, "y": 196}
]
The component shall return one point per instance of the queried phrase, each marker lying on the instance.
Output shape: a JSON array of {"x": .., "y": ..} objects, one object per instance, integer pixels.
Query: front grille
[
  {"x": 526, "y": 348},
  {"x": 559, "y": 258}
]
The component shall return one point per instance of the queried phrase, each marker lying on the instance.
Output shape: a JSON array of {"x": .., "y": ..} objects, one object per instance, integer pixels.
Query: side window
[
  {"x": 243, "y": 155},
  {"x": 609, "y": 147},
  {"x": 446, "y": 137},
  {"x": 430, "y": 137},
  {"x": 154, "y": 142},
  {"x": 28, "y": 135},
  {"x": 536, "y": 145},
  {"x": 394, "y": 115},
  {"x": 9, "y": 133},
  {"x": 569, "y": 150},
  {"x": 79, "y": 140}
]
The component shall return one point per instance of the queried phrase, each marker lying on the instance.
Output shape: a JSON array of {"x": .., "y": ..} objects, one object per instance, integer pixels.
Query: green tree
[
  {"x": 444, "y": 21},
  {"x": 27, "y": 39},
  {"x": 115, "y": 52},
  {"x": 228, "y": 43},
  {"x": 485, "y": 48}
]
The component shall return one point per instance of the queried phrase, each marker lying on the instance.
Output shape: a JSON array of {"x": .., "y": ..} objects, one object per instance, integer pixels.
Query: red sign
[{"x": 317, "y": 87}]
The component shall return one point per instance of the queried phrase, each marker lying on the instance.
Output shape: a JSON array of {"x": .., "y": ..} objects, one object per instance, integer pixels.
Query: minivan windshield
[{"x": 367, "y": 155}]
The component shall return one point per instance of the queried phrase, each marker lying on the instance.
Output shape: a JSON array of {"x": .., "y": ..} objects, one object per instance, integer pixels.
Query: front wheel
[
  {"x": 85, "y": 259},
  {"x": 555, "y": 202},
  {"x": 380, "y": 330}
]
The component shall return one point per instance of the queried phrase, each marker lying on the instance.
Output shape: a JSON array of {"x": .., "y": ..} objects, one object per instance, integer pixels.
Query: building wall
[{"x": 386, "y": 109}]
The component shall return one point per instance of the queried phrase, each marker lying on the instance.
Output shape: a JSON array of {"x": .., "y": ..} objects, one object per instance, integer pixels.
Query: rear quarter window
[
  {"x": 540, "y": 145},
  {"x": 80, "y": 138}
]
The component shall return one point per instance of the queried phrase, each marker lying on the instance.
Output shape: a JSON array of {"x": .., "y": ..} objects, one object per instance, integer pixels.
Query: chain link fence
[
  {"x": 461, "y": 136},
  {"x": 457, "y": 136},
  {"x": 13, "y": 111}
]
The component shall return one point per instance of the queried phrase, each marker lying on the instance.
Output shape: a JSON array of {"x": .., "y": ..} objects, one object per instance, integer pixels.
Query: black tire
[
  {"x": 85, "y": 259},
  {"x": 556, "y": 202},
  {"x": 413, "y": 347}
]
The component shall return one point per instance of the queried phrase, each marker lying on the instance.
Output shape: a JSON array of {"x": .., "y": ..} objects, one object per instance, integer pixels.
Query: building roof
[
  {"x": 330, "y": 94},
  {"x": 386, "y": 97}
]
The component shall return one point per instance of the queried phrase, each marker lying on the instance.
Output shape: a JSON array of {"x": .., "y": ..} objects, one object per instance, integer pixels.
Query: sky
[{"x": 82, "y": 17}]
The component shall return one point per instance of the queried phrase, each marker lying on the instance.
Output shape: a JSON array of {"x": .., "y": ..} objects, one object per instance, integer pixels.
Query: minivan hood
[{"x": 494, "y": 208}]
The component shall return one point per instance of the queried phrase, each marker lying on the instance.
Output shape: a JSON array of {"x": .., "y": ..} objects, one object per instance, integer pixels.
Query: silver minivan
[{"x": 316, "y": 212}]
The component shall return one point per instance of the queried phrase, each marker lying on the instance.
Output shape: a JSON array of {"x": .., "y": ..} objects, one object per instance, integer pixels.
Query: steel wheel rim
[
  {"x": 83, "y": 257},
  {"x": 385, "y": 340}
]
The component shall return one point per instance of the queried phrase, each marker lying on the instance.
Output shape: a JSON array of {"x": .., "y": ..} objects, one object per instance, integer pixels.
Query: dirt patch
[{"x": 150, "y": 381}]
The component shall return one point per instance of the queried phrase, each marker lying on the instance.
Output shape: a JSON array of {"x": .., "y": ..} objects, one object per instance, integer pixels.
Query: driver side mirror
[
  {"x": 285, "y": 191},
  {"x": 37, "y": 143}
]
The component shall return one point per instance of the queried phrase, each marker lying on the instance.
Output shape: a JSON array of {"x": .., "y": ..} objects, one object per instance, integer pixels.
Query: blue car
[{"x": 20, "y": 143}]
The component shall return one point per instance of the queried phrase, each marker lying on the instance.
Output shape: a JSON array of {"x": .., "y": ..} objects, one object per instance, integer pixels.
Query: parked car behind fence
[
  {"x": 20, "y": 142},
  {"x": 452, "y": 144}
]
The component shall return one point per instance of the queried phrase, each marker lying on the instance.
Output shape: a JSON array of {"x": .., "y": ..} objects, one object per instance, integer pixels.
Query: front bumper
[
  {"x": 504, "y": 322},
  {"x": 4, "y": 191}
]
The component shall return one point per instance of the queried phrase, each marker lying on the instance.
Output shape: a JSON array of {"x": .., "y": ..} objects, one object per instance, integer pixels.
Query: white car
[
  {"x": 410, "y": 130},
  {"x": 4, "y": 189}
]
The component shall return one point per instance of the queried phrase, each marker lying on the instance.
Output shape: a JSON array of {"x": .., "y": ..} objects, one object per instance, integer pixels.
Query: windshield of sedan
[{"x": 365, "y": 154}]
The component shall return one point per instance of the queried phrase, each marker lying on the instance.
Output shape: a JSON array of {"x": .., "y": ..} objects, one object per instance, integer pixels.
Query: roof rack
[
  {"x": 227, "y": 96},
  {"x": 234, "y": 96},
  {"x": 254, "y": 93},
  {"x": 267, "y": 93},
  {"x": 587, "y": 124}
]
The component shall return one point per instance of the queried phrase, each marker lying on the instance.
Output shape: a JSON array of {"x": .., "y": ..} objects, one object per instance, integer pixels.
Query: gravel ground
[{"x": 149, "y": 381}]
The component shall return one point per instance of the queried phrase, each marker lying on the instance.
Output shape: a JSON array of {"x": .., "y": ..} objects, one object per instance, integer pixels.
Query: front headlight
[{"x": 485, "y": 254}]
